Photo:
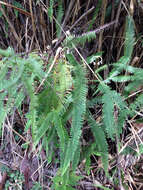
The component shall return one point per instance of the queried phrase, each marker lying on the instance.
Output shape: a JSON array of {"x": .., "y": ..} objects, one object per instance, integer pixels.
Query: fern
[
  {"x": 122, "y": 64},
  {"x": 51, "y": 10},
  {"x": 50, "y": 116},
  {"x": 101, "y": 142},
  {"x": 62, "y": 133},
  {"x": 48, "y": 145},
  {"x": 54, "y": 101},
  {"x": 76, "y": 158},
  {"x": 6, "y": 84},
  {"x": 79, "y": 107},
  {"x": 81, "y": 39},
  {"x": 15, "y": 70},
  {"x": 86, "y": 153},
  {"x": 45, "y": 125},
  {"x": 62, "y": 100},
  {"x": 108, "y": 113},
  {"x": 62, "y": 78},
  {"x": 65, "y": 182},
  {"x": 111, "y": 98},
  {"x": 129, "y": 37},
  {"x": 136, "y": 80},
  {"x": 122, "y": 110}
]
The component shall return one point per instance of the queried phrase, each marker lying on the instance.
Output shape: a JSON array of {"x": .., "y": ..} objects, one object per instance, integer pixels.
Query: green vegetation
[{"x": 70, "y": 110}]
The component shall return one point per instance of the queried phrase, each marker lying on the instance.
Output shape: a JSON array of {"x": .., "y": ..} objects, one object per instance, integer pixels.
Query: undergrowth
[{"x": 58, "y": 104}]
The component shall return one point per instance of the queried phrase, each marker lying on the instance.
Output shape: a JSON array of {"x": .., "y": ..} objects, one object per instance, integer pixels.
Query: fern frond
[
  {"x": 108, "y": 114},
  {"x": 34, "y": 63},
  {"x": 101, "y": 142},
  {"x": 136, "y": 80},
  {"x": 51, "y": 10},
  {"x": 111, "y": 98},
  {"x": 81, "y": 39},
  {"x": 43, "y": 128},
  {"x": 62, "y": 133},
  {"x": 118, "y": 67},
  {"x": 33, "y": 104},
  {"x": 122, "y": 112},
  {"x": 121, "y": 78},
  {"x": 47, "y": 143},
  {"x": 79, "y": 107},
  {"x": 19, "y": 98},
  {"x": 129, "y": 37},
  {"x": 62, "y": 79},
  {"x": 76, "y": 158},
  {"x": 14, "y": 77}
]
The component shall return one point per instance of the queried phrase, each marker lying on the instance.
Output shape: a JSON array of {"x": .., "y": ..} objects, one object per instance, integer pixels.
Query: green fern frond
[
  {"x": 121, "y": 78},
  {"x": 47, "y": 101},
  {"x": 136, "y": 80},
  {"x": 129, "y": 37},
  {"x": 111, "y": 98},
  {"x": 108, "y": 114},
  {"x": 86, "y": 153},
  {"x": 122, "y": 112},
  {"x": 47, "y": 143},
  {"x": 79, "y": 107},
  {"x": 46, "y": 124},
  {"x": 14, "y": 77},
  {"x": 62, "y": 133},
  {"x": 62, "y": 79},
  {"x": 19, "y": 98},
  {"x": 51, "y": 10},
  {"x": 101, "y": 142},
  {"x": 81, "y": 39},
  {"x": 118, "y": 68},
  {"x": 33, "y": 104},
  {"x": 34, "y": 63},
  {"x": 122, "y": 64},
  {"x": 66, "y": 181},
  {"x": 76, "y": 158}
]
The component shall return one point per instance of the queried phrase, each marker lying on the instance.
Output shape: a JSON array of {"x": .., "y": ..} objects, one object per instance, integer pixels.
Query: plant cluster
[{"x": 62, "y": 97}]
